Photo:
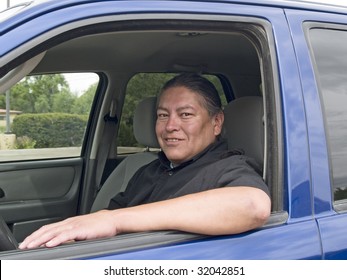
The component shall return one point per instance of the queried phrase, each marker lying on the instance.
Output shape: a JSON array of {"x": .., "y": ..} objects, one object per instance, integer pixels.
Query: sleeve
[
  {"x": 241, "y": 171},
  {"x": 233, "y": 171}
]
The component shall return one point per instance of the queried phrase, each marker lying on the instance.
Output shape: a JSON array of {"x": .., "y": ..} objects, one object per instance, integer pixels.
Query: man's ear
[{"x": 218, "y": 121}]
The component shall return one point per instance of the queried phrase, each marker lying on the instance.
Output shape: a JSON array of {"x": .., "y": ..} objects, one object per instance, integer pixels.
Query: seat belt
[{"x": 111, "y": 121}]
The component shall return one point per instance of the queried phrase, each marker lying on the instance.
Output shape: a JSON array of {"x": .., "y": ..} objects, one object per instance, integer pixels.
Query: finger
[
  {"x": 41, "y": 236},
  {"x": 59, "y": 239}
]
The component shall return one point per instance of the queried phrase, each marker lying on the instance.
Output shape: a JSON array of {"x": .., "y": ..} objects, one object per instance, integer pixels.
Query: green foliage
[
  {"x": 2, "y": 100},
  {"x": 82, "y": 104},
  {"x": 48, "y": 94},
  {"x": 126, "y": 136},
  {"x": 36, "y": 94},
  {"x": 25, "y": 142},
  {"x": 51, "y": 116},
  {"x": 63, "y": 102},
  {"x": 51, "y": 130}
]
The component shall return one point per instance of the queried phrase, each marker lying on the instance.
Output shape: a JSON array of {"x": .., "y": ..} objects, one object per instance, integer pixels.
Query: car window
[
  {"x": 45, "y": 116},
  {"x": 140, "y": 86},
  {"x": 330, "y": 53}
]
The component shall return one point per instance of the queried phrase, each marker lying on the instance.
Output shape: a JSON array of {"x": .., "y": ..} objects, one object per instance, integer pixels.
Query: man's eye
[
  {"x": 186, "y": 115},
  {"x": 162, "y": 115}
]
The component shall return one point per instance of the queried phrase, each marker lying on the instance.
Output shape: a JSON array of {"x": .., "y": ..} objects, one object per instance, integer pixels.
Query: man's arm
[{"x": 227, "y": 210}]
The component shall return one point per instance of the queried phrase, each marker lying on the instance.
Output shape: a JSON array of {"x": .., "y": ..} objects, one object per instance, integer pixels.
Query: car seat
[
  {"x": 144, "y": 132},
  {"x": 244, "y": 128}
]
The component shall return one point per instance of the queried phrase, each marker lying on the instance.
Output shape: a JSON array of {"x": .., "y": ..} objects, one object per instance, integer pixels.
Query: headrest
[
  {"x": 145, "y": 117},
  {"x": 244, "y": 128}
]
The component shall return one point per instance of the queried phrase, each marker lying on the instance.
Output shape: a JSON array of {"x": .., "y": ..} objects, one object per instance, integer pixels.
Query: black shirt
[{"x": 214, "y": 167}]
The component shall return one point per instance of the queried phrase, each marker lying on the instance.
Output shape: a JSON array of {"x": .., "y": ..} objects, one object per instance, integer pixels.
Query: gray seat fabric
[
  {"x": 144, "y": 132},
  {"x": 145, "y": 117},
  {"x": 244, "y": 126}
]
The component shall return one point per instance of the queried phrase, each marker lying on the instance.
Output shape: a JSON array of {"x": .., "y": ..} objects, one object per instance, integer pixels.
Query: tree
[
  {"x": 64, "y": 102},
  {"x": 36, "y": 94}
]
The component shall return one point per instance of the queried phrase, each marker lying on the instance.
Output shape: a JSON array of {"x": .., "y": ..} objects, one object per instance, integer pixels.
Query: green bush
[
  {"x": 25, "y": 142},
  {"x": 126, "y": 136},
  {"x": 51, "y": 130}
]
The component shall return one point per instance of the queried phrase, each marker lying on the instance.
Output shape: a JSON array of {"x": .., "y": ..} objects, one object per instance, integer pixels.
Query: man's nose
[{"x": 172, "y": 123}]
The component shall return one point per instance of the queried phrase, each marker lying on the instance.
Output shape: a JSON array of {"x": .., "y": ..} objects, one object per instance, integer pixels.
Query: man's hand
[{"x": 96, "y": 225}]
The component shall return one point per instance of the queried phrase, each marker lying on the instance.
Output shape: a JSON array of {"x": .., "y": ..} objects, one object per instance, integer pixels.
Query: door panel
[
  {"x": 36, "y": 193},
  {"x": 35, "y": 183}
]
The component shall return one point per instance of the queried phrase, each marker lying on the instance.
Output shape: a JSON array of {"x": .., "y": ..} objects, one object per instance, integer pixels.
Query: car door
[
  {"x": 41, "y": 151},
  {"x": 320, "y": 40}
]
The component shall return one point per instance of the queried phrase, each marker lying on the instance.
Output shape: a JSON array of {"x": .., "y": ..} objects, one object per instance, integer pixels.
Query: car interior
[{"x": 236, "y": 52}]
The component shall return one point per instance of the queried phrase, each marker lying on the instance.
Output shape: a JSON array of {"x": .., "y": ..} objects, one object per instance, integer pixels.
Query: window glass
[
  {"x": 139, "y": 87},
  {"x": 45, "y": 116},
  {"x": 330, "y": 53}
]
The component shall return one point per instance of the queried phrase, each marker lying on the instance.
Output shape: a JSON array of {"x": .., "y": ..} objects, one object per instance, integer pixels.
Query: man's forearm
[{"x": 226, "y": 210}]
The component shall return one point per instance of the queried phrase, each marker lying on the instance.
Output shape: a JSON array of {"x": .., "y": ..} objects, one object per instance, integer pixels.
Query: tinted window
[{"x": 330, "y": 53}]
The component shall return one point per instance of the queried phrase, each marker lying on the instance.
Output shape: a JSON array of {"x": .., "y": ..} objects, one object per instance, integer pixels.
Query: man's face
[{"x": 184, "y": 127}]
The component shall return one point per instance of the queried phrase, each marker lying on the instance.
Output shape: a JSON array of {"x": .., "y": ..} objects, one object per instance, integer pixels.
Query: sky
[{"x": 3, "y": 3}]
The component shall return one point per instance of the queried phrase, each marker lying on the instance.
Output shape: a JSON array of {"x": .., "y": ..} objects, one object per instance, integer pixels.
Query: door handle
[{"x": 2, "y": 193}]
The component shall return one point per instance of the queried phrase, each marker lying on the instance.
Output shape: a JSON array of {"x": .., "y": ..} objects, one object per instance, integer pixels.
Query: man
[{"x": 195, "y": 185}]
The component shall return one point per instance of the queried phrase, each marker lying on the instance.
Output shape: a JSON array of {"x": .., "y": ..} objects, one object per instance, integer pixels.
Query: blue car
[{"x": 75, "y": 124}]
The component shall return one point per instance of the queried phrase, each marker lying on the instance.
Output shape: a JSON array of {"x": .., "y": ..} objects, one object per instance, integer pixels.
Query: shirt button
[{"x": 170, "y": 173}]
